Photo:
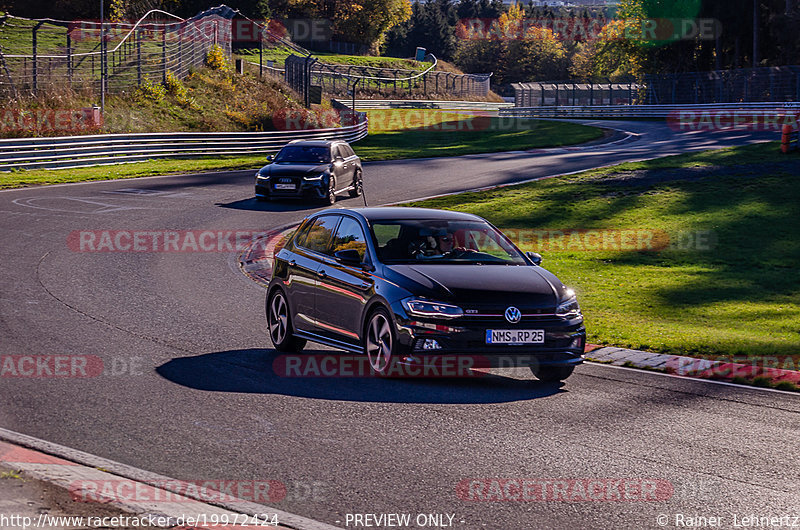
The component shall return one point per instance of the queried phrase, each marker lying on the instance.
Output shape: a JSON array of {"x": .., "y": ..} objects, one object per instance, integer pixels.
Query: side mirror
[
  {"x": 348, "y": 256},
  {"x": 535, "y": 257},
  {"x": 270, "y": 158}
]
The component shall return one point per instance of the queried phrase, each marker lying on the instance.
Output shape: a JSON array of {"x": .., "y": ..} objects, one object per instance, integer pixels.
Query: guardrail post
[
  {"x": 591, "y": 94},
  {"x": 541, "y": 91}
]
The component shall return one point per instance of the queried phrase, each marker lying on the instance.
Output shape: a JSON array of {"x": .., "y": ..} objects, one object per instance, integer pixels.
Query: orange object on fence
[{"x": 789, "y": 137}]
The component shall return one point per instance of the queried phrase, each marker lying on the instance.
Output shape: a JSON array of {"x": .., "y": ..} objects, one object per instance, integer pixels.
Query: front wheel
[
  {"x": 279, "y": 325},
  {"x": 552, "y": 374},
  {"x": 379, "y": 343},
  {"x": 330, "y": 197},
  {"x": 358, "y": 185}
]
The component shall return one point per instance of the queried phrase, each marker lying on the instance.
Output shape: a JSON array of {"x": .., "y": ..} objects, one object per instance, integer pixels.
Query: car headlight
[
  {"x": 318, "y": 177},
  {"x": 426, "y": 308},
  {"x": 569, "y": 308},
  {"x": 260, "y": 175}
]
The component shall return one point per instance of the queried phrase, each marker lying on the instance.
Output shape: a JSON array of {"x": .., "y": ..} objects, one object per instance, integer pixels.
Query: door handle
[{"x": 322, "y": 274}]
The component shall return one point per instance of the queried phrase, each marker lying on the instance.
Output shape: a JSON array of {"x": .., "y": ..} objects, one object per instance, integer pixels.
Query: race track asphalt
[{"x": 188, "y": 390}]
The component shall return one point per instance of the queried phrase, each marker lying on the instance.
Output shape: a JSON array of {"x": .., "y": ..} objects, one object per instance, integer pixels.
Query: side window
[
  {"x": 350, "y": 236},
  {"x": 302, "y": 232},
  {"x": 336, "y": 150},
  {"x": 385, "y": 232},
  {"x": 319, "y": 236},
  {"x": 346, "y": 150}
]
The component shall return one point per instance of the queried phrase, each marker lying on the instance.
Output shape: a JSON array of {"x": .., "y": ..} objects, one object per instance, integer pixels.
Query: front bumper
[
  {"x": 564, "y": 342},
  {"x": 302, "y": 188}
]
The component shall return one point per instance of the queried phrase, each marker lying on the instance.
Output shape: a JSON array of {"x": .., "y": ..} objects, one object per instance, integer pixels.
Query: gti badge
[{"x": 513, "y": 314}]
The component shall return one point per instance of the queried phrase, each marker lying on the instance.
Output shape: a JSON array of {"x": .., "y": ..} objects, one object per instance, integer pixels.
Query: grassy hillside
[{"x": 208, "y": 100}]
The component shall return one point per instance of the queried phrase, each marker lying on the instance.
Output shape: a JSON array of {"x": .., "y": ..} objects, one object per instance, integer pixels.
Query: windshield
[
  {"x": 443, "y": 241},
  {"x": 303, "y": 154}
]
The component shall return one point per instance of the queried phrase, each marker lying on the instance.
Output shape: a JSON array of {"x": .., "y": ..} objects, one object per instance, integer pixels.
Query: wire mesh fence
[
  {"x": 338, "y": 80},
  {"x": 37, "y": 54},
  {"x": 42, "y": 53},
  {"x": 749, "y": 85},
  {"x": 780, "y": 83}
]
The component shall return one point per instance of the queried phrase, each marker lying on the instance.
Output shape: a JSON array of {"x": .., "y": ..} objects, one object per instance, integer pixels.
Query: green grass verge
[
  {"x": 464, "y": 135},
  {"x": 387, "y": 145},
  {"x": 733, "y": 291}
]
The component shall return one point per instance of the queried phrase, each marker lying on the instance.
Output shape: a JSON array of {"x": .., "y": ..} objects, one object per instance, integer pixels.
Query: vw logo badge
[{"x": 513, "y": 314}]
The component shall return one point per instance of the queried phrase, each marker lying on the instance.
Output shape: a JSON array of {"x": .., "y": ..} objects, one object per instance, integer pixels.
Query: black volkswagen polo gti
[
  {"x": 317, "y": 169},
  {"x": 407, "y": 285}
]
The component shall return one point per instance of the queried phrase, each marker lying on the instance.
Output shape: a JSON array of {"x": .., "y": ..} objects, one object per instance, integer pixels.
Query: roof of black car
[{"x": 389, "y": 213}]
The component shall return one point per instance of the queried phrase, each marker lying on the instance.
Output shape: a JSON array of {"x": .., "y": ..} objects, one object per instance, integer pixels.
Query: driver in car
[{"x": 446, "y": 245}]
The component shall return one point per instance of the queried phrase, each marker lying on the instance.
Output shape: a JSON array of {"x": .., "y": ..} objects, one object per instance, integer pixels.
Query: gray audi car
[{"x": 315, "y": 169}]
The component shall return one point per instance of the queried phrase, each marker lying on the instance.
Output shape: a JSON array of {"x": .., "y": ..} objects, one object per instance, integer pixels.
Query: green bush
[
  {"x": 217, "y": 59},
  {"x": 153, "y": 91}
]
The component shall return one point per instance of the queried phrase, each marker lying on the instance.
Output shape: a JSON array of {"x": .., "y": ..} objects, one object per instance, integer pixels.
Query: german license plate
[
  {"x": 514, "y": 336},
  {"x": 285, "y": 187}
]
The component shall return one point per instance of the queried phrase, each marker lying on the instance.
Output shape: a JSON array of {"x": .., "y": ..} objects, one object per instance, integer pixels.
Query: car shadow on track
[
  {"x": 251, "y": 371},
  {"x": 252, "y": 204}
]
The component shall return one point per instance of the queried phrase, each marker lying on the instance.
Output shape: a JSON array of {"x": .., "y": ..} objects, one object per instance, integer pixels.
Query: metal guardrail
[
  {"x": 639, "y": 111},
  {"x": 372, "y": 104},
  {"x": 107, "y": 149}
]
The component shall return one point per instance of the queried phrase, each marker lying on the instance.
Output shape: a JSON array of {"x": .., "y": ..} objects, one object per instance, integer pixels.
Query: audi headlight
[
  {"x": 261, "y": 175},
  {"x": 426, "y": 308},
  {"x": 318, "y": 177},
  {"x": 569, "y": 308}
]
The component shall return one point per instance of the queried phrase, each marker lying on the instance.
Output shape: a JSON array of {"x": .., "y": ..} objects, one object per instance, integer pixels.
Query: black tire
[
  {"x": 380, "y": 341},
  {"x": 279, "y": 324},
  {"x": 330, "y": 198},
  {"x": 358, "y": 185},
  {"x": 552, "y": 374}
]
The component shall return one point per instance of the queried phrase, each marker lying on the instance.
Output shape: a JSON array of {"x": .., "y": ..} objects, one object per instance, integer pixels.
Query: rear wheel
[
  {"x": 279, "y": 325},
  {"x": 358, "y": 185},
  {"x": 552, "y": 373},
  {"x": 379, "y": 341}
]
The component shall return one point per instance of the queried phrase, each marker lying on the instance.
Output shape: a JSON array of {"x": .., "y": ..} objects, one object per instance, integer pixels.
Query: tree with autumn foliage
[
  {"x": 512, "y": 49},
  {"x": 360, "y": 21}
]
